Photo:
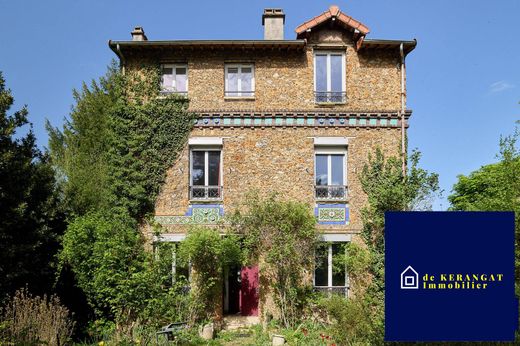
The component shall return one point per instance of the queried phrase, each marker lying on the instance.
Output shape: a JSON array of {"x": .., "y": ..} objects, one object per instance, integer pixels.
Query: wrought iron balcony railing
[
  {"x": 330, "y": 96},
  {"x": 331, "y": 192},
  {"x": 340, "y": 290},
  {"x": 200, "y": 192},
  {"x": 250, "y": 93}
]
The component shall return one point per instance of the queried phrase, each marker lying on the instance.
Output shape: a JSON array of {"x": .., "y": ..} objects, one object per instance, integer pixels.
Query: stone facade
[{"x": 268, "y": 141}]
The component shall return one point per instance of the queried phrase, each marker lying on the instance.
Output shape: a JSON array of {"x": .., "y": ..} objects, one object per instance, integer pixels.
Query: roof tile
[{"x": 335, "y": 12}]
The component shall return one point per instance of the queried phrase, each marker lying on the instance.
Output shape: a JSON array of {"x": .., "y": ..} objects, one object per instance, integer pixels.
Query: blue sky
[{"x": 463, "y": 77}]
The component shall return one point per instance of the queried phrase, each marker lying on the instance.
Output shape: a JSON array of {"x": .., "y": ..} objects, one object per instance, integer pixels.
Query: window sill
[
  {"x": 205, "y": 201},
  {"x": 239, "y": 98},
  {"x": 329, "y": 104},
  {"x": 331, "y": 200},
  {"x": 164, "y": 95}
]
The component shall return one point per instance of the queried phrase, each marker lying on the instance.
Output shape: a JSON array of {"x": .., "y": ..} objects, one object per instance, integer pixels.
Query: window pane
[
  {"x": 232, "y": 80},
  {"x": 246, "y": 81},
  {"x": 180, "y": 79},
  {"x": 321, "y": 73},
  {"x": 321, "y": 265},
  {"x": 321, "y": 170},
  {"x": 197, "y": 172},
  {"x": 337, "y": 169},
  {"x": 338, "y": 264},
  {"x": 336, "y": 73},
  {"x": 214, "y": 168},
  {"x": 167, "y": 79}
]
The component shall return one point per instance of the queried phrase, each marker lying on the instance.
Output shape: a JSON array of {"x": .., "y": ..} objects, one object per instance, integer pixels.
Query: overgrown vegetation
[
  {"x": 113, "y": 153},
  {"x": 33, "y": 320},
  {"x": 281, "y": 237},
  {"x": 209, "y": 254},
  {"x": 30, "y": 218}
]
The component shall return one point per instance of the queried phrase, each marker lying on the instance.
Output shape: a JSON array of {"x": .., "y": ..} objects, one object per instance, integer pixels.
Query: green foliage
[
  {"x": 494, "y": 187},
  {"x": 30, "y": 219},
  {"x": 209, "y": 254},
  {"x": 387, "y": 189},
  {"x": 113, "y": 154},
  {"x": 282, "y": 237}
]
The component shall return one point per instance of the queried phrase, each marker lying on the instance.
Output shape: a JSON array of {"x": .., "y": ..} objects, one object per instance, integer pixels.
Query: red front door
[{"x": 249, "y": 291}]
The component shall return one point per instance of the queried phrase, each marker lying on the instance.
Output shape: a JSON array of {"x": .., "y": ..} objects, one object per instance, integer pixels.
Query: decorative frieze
[
  {"x": 296, "y": 119},
  {"x": 197, "y": 214}
]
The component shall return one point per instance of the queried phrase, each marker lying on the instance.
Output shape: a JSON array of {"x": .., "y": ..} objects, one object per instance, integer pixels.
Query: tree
[
  {"x": 494, "y": 187},
  {"x": 30, "y": 222},
  {"x": 387, "y": 189}
]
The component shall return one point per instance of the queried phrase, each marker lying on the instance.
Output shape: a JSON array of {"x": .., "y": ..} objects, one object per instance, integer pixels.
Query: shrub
[
  {"x": 209, "y": 253},
  {"x": 281, "y": 236},
  {"x": 33, "y": 320}
]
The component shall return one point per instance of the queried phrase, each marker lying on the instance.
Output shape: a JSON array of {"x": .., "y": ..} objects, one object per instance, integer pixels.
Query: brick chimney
[
  {"x": 138, "y": 34},
  {"x": 273, "y": 20}
]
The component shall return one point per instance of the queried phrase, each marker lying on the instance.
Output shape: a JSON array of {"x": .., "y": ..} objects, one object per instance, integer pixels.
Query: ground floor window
[
  {"x": 330, "y": 269},
  {"x": 172, "y": 268}
]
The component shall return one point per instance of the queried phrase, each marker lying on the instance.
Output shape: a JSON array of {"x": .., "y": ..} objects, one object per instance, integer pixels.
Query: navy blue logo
[{"x": 449, "y": 276}]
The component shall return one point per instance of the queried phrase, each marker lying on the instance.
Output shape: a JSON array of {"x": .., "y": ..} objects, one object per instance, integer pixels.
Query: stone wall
[
  {"x": 285, "y": 80},
  {"x": 277, "y": 160}
]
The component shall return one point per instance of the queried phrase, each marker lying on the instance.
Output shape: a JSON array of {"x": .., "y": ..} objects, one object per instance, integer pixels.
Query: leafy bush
[
  {"x": 33, "y": 320},
  {"x": 282, "y": 237},
  {"x": 209, "y": 253}
]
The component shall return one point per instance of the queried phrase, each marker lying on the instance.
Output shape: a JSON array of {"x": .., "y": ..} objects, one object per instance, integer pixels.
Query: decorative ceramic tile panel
[
  {"x": 332, "y": 214},
  {"x": 197, "y": 214}
]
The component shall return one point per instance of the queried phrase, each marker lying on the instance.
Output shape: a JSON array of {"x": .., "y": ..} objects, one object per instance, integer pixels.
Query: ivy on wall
[{"x": 112, "y": 155}]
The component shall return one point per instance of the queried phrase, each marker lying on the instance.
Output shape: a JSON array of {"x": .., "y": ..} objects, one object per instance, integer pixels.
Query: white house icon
[{"x": 409, "y": 279}]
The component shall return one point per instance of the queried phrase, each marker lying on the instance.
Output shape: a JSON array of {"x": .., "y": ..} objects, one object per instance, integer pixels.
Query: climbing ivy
[{"x": 113, "y": 154}]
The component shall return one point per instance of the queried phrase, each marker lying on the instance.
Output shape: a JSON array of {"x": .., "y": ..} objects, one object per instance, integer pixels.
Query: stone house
[{"x": 293, "y": 116}]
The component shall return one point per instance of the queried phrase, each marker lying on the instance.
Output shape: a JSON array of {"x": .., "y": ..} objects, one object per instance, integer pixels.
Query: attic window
[
  {"x": 174, "y": 79},
  {"x": 240, "y": 80},
  {"x": 329, "y": 77}
]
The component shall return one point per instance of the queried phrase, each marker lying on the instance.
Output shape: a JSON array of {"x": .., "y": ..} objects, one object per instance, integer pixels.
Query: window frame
[
  {"x": 330, "y": 273},
  {"x": 343, "y": 90},
  {"x": 174, "y": 67},
  {"x": 329, "y": 152},
  {"x": 239, "y": 92},
  {"x": 206, "y": 150}
]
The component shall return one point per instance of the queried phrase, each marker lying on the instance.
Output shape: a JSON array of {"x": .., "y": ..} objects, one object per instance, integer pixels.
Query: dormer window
[
  {"x": 329, "y": 77},
  {"x": 174, "y": 79}
]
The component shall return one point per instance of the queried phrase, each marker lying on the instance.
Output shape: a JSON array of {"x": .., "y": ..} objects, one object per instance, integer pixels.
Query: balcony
[
  {"x": 330, "y": 96},
  {"x": 331, "y": 192},
  {"x": 205, "y": 193},
  {"x": 329, "y": 290}
]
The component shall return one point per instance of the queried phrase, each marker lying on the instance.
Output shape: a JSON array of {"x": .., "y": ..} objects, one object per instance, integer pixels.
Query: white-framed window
[
  {"x": 173, "y": 268},
  {"x": 329, "y": 77},
  {"x": 205, "y": 173},
  {"x": 329, "y": 268},
  {"x": 239, "y": 80},
  {"x": 330, "y": 174},
  {"x": 174, "y": 79}
]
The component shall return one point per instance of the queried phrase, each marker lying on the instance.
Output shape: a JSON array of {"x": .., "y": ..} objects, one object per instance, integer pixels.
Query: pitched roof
[{"x": 335, "y": 13}]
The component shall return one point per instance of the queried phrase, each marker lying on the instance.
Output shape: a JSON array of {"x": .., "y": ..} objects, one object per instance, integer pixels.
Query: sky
[{"x": 463, "y": 79}]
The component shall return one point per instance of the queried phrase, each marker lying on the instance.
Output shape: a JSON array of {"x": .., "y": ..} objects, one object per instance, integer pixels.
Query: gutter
[
  {"x": 402, "y": 111},
  {"x": 118, "y": 52}
]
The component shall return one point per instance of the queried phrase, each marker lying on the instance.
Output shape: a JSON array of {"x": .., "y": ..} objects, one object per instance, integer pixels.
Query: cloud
[{"x": 499, "y": 86}]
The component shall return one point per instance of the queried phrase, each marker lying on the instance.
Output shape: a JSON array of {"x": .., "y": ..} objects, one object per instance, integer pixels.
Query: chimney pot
[
  {"x": 273, "y": 21},
  {"x": 138, "y": 34}
]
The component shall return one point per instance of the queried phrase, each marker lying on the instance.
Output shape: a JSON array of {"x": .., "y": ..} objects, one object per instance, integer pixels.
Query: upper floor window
[
  {"x": 330, "y": 175},
  {"x": 240, "y": 80},
  {"x": 205, "y": 174},
  {"x": 174, "y": 79},
  {"x": 329, "y": 77}
]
